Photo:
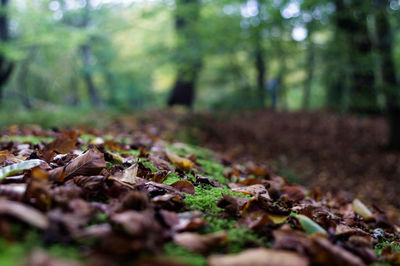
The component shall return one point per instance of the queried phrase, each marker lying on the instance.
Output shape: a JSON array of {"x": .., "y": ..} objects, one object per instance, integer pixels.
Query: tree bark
[
  {"x": 390, "y": 85},
  {"x": 92, "y": 90},
  {"x": 352, "y": 20},
  {"x": 86, "y": 51},
  {"x": 6, "y": 67},
  {"x": 188, "y": 54},
  {"x": 310, "y": 58},
  {"x": 260, "y": 69}
]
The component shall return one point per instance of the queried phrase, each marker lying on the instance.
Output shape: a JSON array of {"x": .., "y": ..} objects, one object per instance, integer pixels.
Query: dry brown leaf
[
  {"x": 253, "y": 190},
  {"x": 130, "y": 174},
  {"x": 259, "y": 257},
  {"x": 24, "y": 213},
  {"x": 327, "y": 253},
  {"x": 200, "y": 243},
  {"x": 184, "y": 186}
]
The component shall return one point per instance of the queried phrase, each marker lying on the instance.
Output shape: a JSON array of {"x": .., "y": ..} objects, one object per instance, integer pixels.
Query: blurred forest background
[
  {"x": 309, "y": 85},
  {"x": 340, "y": 55}
]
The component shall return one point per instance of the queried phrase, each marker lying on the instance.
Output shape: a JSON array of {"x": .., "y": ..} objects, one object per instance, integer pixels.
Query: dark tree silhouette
[
  {"x": 189, "y": 56},
  {"x": 6, "y": 66},
  {"x": 384, "y": 46}
]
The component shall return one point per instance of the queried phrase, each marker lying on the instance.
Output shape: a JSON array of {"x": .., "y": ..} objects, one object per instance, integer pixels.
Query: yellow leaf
[{"x": 180, "y": 162}]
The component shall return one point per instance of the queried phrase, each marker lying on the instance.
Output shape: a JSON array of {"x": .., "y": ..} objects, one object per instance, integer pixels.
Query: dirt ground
[{"x": 344, "y": 155}]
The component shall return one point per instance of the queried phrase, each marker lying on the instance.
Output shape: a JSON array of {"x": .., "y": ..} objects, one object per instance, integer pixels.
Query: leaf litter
[{"x": 138, "y": 199}]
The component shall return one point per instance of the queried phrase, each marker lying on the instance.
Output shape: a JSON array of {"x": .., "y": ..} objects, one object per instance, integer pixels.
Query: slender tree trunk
[
  {"x": 390, "y": 85},
  {"x": 363, "y": 93},
  {"x": 261, "y": 71},
  {"x": 86, "y": 51},
  {"x": 189, "y": 54},
  {"x": 310, "y": 59},
  {"x": 92, "y": 90},
  {"x": 6, "y": 67},
  {"x": 22, "y": 78}
]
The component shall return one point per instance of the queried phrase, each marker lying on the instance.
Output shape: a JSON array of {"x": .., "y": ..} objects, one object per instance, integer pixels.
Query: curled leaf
[
  {"x": 180, "y": 162},
  {"x": 23, "y": 212},
  {"x": 259, "y": 257},
  {"x": 18, "y": 167},
  {"x": 361, "y": 209},
  {"x": 200, "y": 243},
  {"x": 184, "y": 186},
  {"x": 253, "y": 190},
  {"x": 309, "y": 226}
]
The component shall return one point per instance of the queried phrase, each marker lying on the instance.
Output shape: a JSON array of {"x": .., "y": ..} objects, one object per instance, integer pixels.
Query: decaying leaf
[
  {"x": 328, "y": 254},
  {"x": 63, "y": 144},
  {"x": 259, "y": 257},
  {"x": 253, "y": 190},
  {"x": 161, "y": 164},
  {"x": 184, "y": 186},
  {"x": 159, "y": 176},
  {"x": 180, "y": 162},
  {"x": 130, "y": 174},
  {"x": 89, "y": 163},
  {"x": 24, "y": 213},
  {"x": 18, "y": 167},
  {"x": 200, "y": 243}
]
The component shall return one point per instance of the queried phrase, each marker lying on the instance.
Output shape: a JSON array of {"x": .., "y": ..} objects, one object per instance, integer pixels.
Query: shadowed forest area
[{"x": 199, "y": 132}]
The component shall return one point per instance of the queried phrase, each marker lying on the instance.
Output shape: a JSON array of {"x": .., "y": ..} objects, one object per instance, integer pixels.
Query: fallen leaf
[
  {"x": 294, "y": 193},
  {"x": 361, "y": 209},
  {"x": 253, "y": 190},
  {"x": 184, "y": 186},
  {"x": 309, "y": 226},
  {"x": 18, "y": 167},
  {"x": 130, "y": 174},
  {"x": 89, "y": 163},
  {"x": 200, "y": 243},
  {"x": 183, "y": 163},
  {"x": 24, "y": 213},
  {"x": 259, "y": 257}
]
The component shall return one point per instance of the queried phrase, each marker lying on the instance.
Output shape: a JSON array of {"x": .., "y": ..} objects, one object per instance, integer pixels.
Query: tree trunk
[
  {"x": 390, "y": 86},
  {"x": 6, "y": 67},
  {"x": 261, "y": 70},
  {"x": 92, "y": 90},
  {"x": 188, "y": 54},
  {"x": 352, "y": 20},
  {"x": 310, "y": 60}
]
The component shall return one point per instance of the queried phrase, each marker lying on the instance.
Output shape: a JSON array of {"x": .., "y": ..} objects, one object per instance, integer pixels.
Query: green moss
[
  {"x": 182, "y": 254},
  {"x": 27, "y": 139},
  {"x": 149, "y": 165},
  {"x": 205, "y": 200},
  {"x": 133, "y": 152},
  {"x": 88, "y": 137},
  {"x": 12, "y": 254},
  {"x": 172, "y": 178},
  {"x": 184, "y": 149},
  {"x": 214, "y": 170},
  {"x": 239, "y": 237},
  {"x": 216, "y": 224},
  {"x": 381, "y": 245}
]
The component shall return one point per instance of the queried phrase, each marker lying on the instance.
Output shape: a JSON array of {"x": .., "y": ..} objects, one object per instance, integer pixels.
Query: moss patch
[
  {"x": 12, "y": 254},
  {"x": 181, "y": 254},
  {"x": 27, "y": 139}
]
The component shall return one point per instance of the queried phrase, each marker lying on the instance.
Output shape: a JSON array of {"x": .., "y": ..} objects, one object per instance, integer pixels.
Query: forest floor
[
  {"x": 344, "y": 155},
  {"x": 128, "y": 192}
]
